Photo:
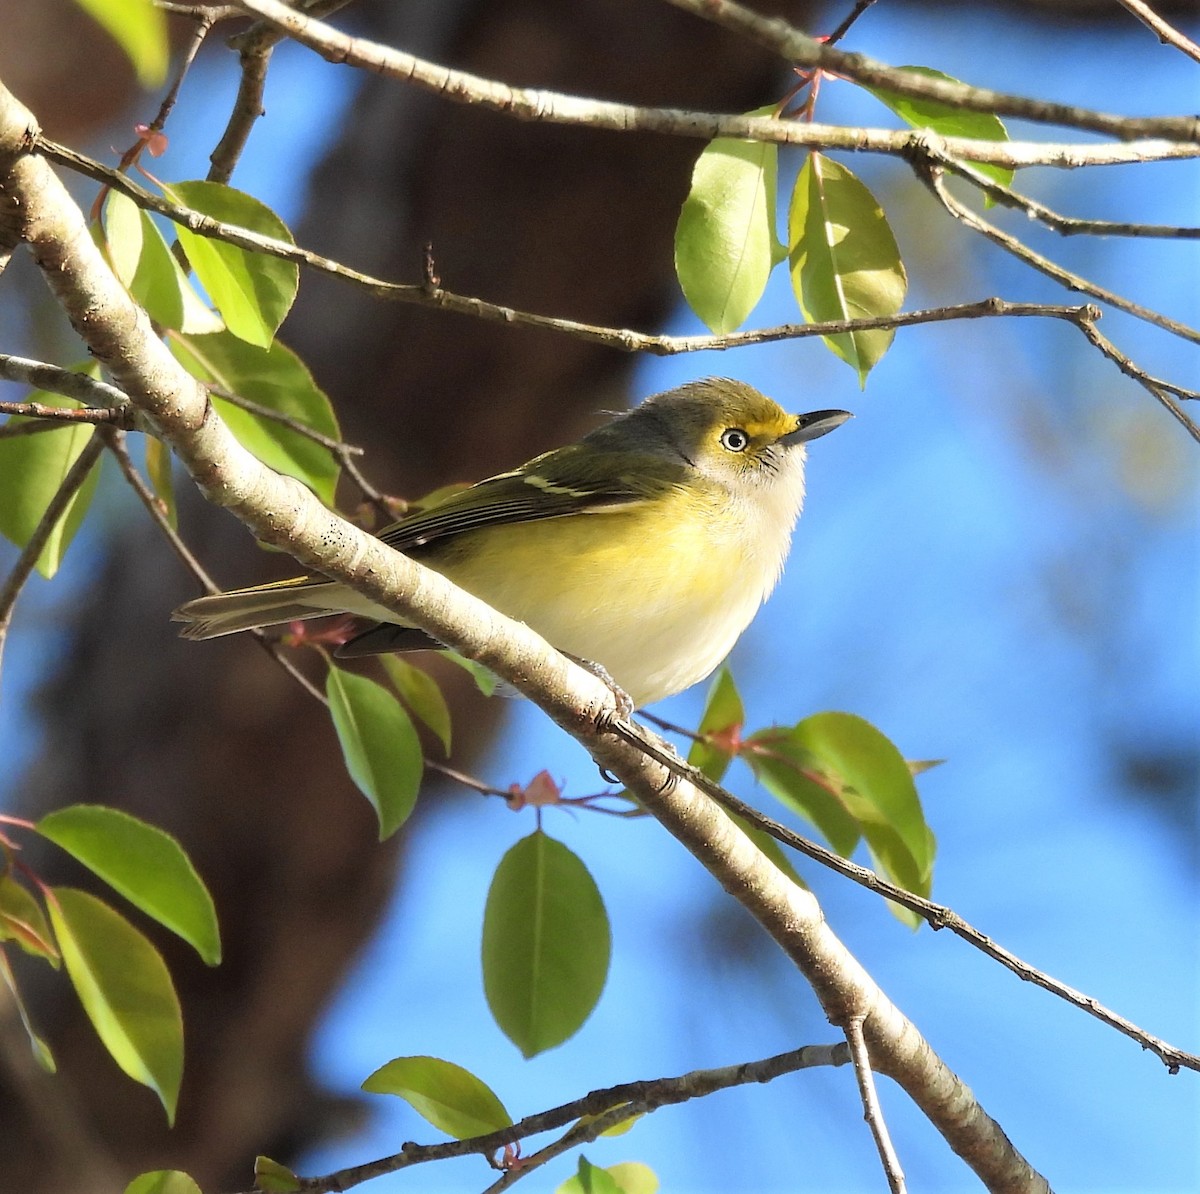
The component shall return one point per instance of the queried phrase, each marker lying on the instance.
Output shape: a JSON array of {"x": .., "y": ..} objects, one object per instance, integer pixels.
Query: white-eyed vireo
[{"x": 645, "y": 548}]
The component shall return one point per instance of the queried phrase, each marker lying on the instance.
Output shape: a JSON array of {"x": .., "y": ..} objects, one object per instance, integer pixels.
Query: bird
[{"x": 645, "y": 549}]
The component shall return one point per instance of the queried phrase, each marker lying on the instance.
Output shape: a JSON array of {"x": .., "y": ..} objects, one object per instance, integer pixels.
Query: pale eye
[{"x": 734, "y": 439}]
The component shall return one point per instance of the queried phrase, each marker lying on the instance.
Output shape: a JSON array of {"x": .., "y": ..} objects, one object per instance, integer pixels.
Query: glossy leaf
[
  {"x": 843, "y": 258},
  {"x": 41, "y": 1051},
  {"x": 948, "y": 120},
  {"x": 252, "y": 291},
  {"x": 32, "y": 468},
  {"x": 723, "y": 717},
  {"x": 546, "y": 944},
  {"x": 632, "y": 1177},
  {"x": 145, "y": 864},
  {"x": 22, "y": 921},
  {"x": 273, "y": 1178},
  {"x": 125, "y": 989},
  {"x": 422, "y": 694},
  {"x": 275, "y": 378},
  {"x": 789, "y": 772},
  {"x": 379, "y": 743},
  {"x": 448, "y": 1096},
  {"x": 725, "y": 240},
  {"x": 140, "y": 29},
  {"x": 146, "y": 266},
  {"x": 850, "y": 761},
  {"x": 163, "y": 1181}
]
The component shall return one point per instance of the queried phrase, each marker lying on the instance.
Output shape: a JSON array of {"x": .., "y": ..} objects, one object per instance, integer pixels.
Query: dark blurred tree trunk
[{"x": 216, "y": 744}]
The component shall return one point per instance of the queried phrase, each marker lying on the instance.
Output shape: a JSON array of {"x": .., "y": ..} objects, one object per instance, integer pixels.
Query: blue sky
[{"x": 998, "y": 566}]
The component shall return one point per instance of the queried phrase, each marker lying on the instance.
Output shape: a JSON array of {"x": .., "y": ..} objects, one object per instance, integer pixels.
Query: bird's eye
[{"x": 734, "y": 439}]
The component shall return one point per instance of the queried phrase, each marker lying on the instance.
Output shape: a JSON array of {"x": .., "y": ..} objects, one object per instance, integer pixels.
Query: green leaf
[
  {"x": 253, "y": 291},
  {"x": 844, "y": 260},
  {"x": 163, "y": 1181},
  {"x": 274, "y": 1178},
  {"x": 784, "y": 766},
  {"x": 870, "y": 779},
  {"x": 485, "y": 680},
  {"x": 32, "y": 468},
  {"x": 145, "y": 864},
  {"x": 146, "y": 266},
  {"x": 589, "y": 1179},
  {"x": 125, "y": 989},
  {"x": 723, "y": 717},
  {"x": 379, "y": 743},
  {"x": 725, "y": 240},
  {"x": 159, "y": 463},
  {"x": 632, "y": 1177},
  {"x": 619, "y": 1128},
  {"x": 449, "y": 1097},
  {"x": 22, "y": 921},
  {"x": 275, "y": 378},
  {"x": 546, "y": 944},
  {"x": 947, "y": 120},
  {"x": 41, "y": 1051},
  {"x": 140, "y": 29},
  {"x": 421, "y": 693}
]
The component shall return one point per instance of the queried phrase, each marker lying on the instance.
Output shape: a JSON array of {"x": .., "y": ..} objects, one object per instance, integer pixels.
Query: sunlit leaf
[
  {"x": 125, "y": 989},
  {"x": 273, "y": 1178},
  {"x": 23, "y": 921},
  {"x": 252, "y": 291},
  {"x": 725, "y": 240},
  {"x": 159, "y": 463},
  {"x": 140, "y": 29},
  {"x": 589, "y": 1179},
  {"x": 546, "y": 944},
  {"x": 379, "y": 743},
  {"x": 163, "y": 1181},
  {"x": 143, "y": 262},
  {"x": 422, "y": 694},
  {"x": 145, "y": 864},
  {"x": 277, "y": 379},
  {"x": 948, "y": 120},
  {"x": 32, "y": 469},
  {"x": 448, "y": 1096},
  {"x": 843, "y": 258},
  {"x": 723, "y": 718}
]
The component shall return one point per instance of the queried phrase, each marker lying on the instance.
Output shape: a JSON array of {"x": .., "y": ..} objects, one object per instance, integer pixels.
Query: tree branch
[
  {"x": 623, "y": 1102},
  {"x": 1160, "y": 138},
  {"x": 1167, "y": 33},
  {"x": 872, "y": 1112},
  {"x": 284, "y": 513}
]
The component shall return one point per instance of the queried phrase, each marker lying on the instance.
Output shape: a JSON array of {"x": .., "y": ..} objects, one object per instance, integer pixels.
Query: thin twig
[
  {"x": 624, "y": 1101},
  {"x": 848, "y": 22},
  {"x": 118, "y": 416},
  {"x": 1065, "y": 225},
  {"x": 57, "y": 507},
  {"x": 1166, "y": 32},
  {"x": 1161, "y": 136},
  {"x": 802, "y": 50},
  {"x": 872, "y": 1111},
  {"x": 1159, "y": 389},
  {"x": 254, "y": 47},
  {"x": 932, "y": 173},
  {"x": 44, "y": 376},
  {"x": 114, "y": 440},
  {"x": 938, "y": 916}
]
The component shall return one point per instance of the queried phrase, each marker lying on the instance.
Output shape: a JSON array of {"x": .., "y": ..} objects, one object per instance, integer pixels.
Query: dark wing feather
[{"x": 515, "y": 497}]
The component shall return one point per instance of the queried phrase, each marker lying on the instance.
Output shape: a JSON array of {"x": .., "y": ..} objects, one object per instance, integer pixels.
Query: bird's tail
[{"x": 262, "y": 605}]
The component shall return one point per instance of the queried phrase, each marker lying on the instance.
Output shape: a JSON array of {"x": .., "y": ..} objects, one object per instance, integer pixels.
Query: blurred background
[{"x": 999, "y": 566}]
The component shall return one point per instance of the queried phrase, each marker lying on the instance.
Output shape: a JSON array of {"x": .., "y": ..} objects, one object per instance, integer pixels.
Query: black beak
[{"x": 814, "y": 425}]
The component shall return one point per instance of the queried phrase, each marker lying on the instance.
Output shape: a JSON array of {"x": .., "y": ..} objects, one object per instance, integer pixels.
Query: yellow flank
[{"x": 658, "y": 593}]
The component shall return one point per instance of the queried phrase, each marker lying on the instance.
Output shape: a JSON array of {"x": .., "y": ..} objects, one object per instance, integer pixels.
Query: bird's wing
[{"x": 548, "y": 487}]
